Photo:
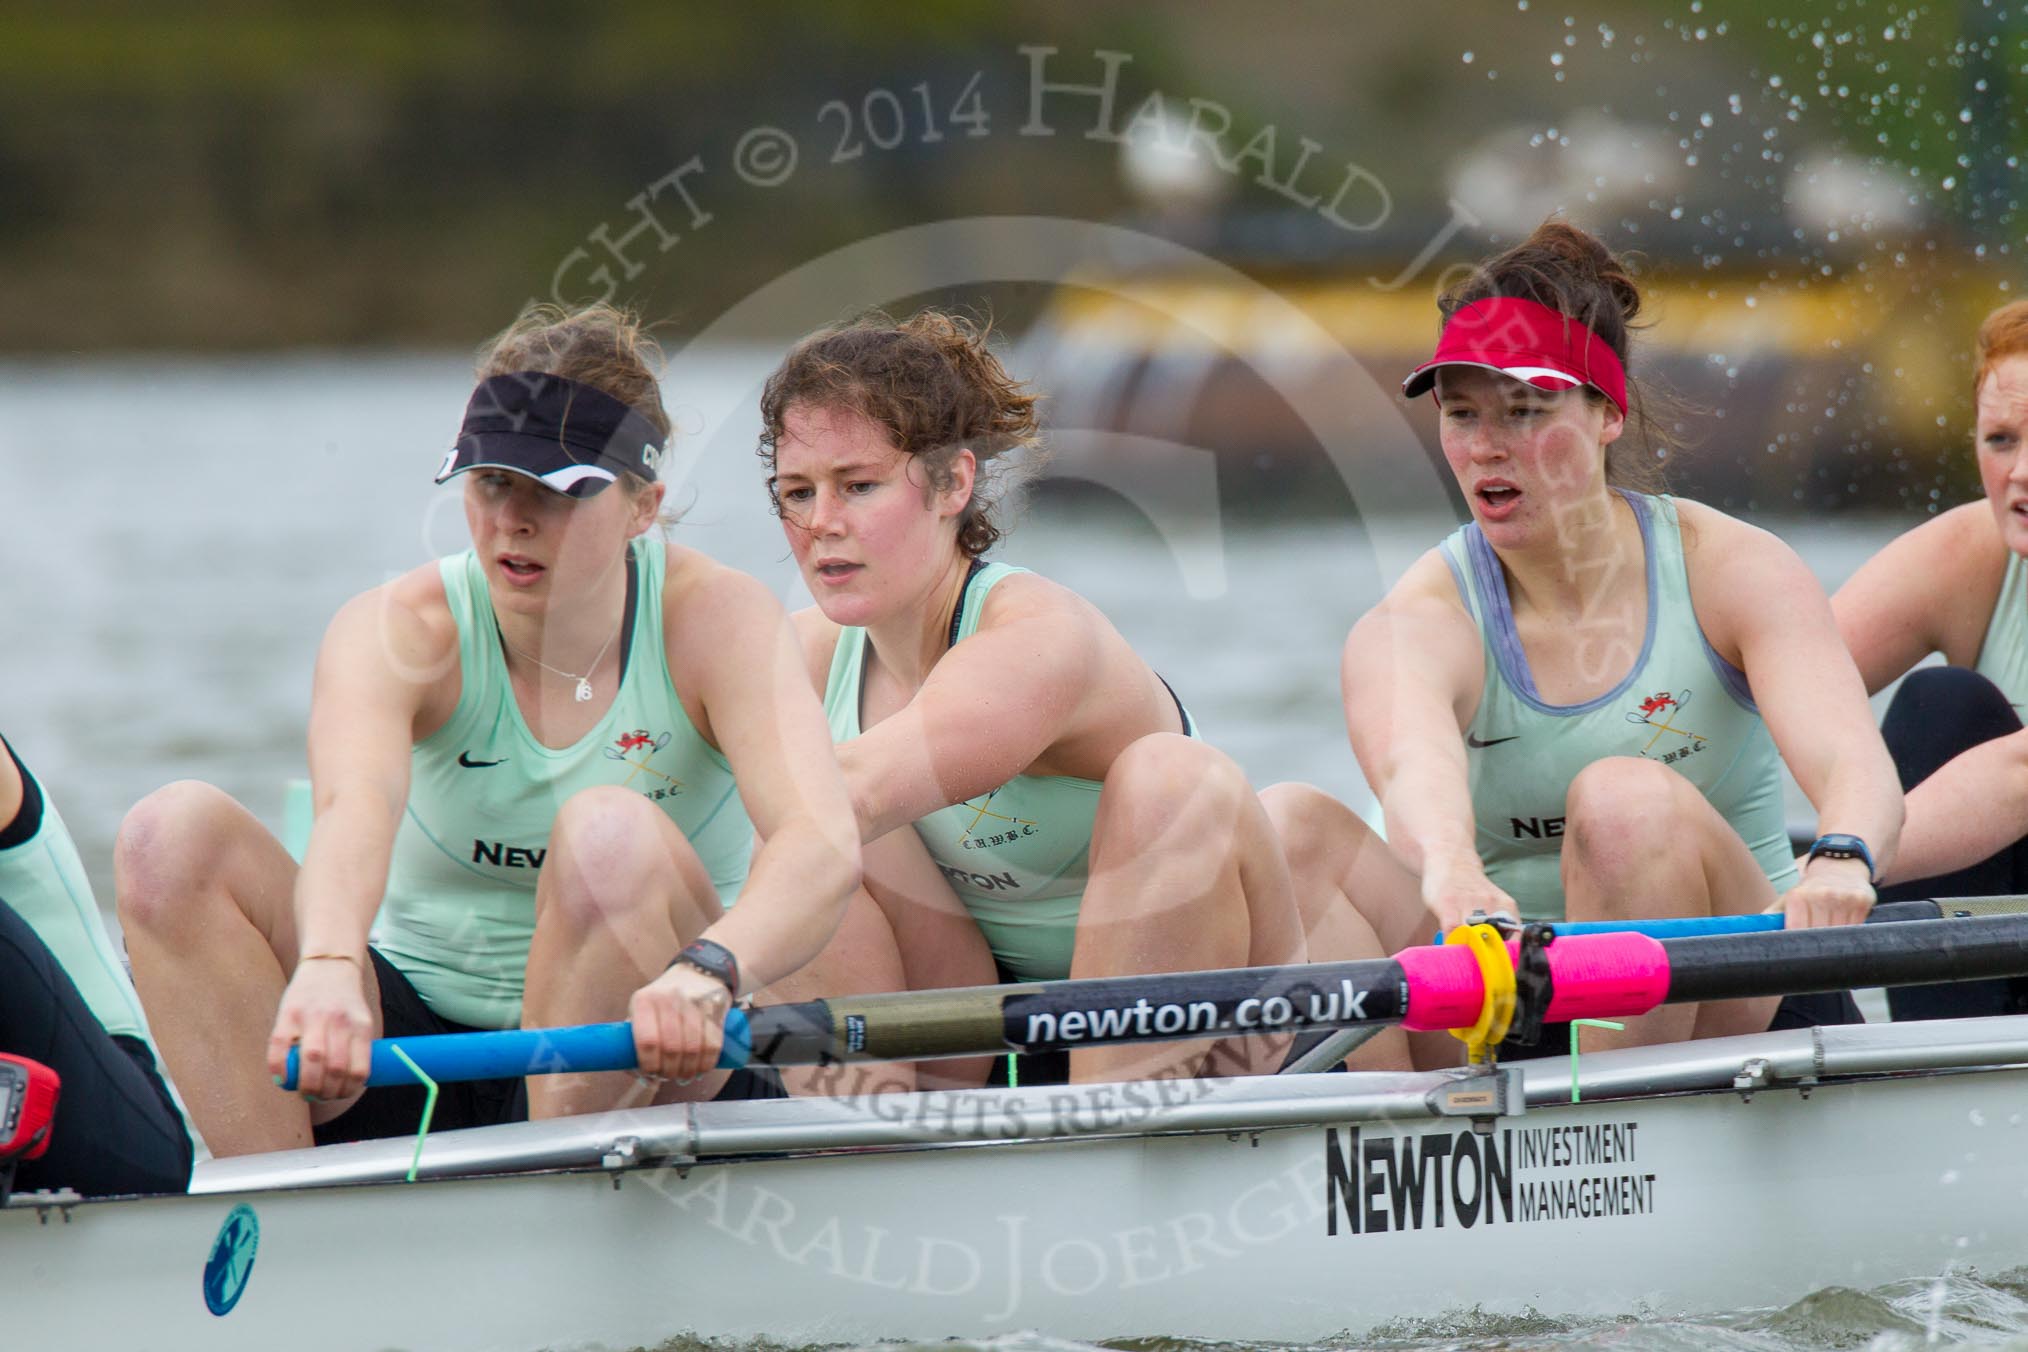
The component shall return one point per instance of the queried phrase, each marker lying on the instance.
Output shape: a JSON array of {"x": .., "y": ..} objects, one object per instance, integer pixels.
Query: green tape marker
[
  {"x": 1576, "y": 1024},
  {"x": 430, "y": 1106}
]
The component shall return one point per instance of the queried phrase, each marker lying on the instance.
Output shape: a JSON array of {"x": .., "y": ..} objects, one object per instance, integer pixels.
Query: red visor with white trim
[{"x": 1527, "y": 341}]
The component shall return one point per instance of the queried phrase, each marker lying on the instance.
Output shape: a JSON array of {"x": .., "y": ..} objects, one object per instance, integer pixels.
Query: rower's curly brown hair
[{"x": 936, "y": 388}]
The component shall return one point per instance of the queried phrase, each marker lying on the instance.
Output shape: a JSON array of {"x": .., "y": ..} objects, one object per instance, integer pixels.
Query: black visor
[{"x": 568, "y": 436}]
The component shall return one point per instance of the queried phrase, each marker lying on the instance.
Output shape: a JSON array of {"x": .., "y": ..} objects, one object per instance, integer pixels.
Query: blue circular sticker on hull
[{"x": 232, "y": 1259}]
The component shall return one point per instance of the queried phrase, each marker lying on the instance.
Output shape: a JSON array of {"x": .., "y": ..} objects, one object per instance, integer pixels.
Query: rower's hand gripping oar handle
[{"x": 525, "y": 1051}]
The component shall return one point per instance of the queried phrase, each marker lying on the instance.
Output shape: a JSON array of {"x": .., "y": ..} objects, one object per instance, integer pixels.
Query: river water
[
  {"x": 1954, "y": 1310},
  {"x": 178, "y": 532}
]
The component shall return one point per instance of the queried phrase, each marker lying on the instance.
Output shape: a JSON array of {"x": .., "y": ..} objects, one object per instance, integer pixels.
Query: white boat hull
[{"x": 1680, "y": 1204}]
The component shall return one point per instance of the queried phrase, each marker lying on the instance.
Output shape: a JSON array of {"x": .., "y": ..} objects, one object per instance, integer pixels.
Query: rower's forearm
[
  {"x": 877, "y": 815},
  {"x": 893, "y": 785},
  {"x": 343, "y": 878},
  {"x": 1974, "y": 806},
  {"x": 1429, "y": 824},
  {"x": 794, "y": 898},
  {"x": 1863, "y": 798}
]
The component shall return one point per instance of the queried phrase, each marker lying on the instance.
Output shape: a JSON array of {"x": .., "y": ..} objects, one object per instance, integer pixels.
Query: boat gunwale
[{"x": 682, "y": 1135}]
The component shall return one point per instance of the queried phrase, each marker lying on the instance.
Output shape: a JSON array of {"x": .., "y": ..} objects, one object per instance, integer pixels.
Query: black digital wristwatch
[
  {"x": 713, "y": 960},
  {"x": 1842, "y": 847}
]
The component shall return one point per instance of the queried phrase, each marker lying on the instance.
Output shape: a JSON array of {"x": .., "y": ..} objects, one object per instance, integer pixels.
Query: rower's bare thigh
[
  {"x": 940, "y": 944},
  {"x": 1335, "y": 857}
]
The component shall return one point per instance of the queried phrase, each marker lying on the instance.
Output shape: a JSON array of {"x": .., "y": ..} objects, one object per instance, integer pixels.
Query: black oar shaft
[
  {"x": 1799, "y": 962},
  {"x": 1061, "y": 1015}
]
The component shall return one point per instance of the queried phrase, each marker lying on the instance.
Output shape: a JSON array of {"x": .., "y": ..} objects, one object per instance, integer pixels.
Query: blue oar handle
[
  {"x": 1698, "y": 927},
  {"x": 447, "y": 1057},
  {"x": 1686, "y": 927}
]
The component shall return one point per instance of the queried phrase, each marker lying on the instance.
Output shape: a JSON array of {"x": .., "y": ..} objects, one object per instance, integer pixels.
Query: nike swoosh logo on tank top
[{"x": 465, "y": 759}]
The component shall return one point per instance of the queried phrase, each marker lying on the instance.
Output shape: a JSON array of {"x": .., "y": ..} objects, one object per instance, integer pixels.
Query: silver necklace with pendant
[{"x": 583, "y": 692}]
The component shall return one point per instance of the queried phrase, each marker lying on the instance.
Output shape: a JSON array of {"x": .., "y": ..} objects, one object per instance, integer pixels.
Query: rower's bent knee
[
  {"x": 610, "y": 855},
  {"x": 1622, "y": 809},
  {"x": 167, "y": 851},
  {"x": 1166, "y": 777}
]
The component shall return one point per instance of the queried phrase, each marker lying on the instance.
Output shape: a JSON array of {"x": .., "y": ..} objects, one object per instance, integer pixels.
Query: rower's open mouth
[
  {"x": 1498, "y": 495},
  {"x": 520, "y": 568}
]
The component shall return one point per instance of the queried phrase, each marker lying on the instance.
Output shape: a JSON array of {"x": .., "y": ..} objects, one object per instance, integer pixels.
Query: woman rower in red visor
[{"x": 1578, "y": 705}]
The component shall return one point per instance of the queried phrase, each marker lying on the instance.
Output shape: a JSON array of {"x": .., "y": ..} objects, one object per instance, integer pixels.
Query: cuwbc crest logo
[
  {"x": 635, "y": 750},
  {"x": 230, "y": 1266},
  {"x": 988, "y": 829},
  {"x": 1662, "y": 711}
]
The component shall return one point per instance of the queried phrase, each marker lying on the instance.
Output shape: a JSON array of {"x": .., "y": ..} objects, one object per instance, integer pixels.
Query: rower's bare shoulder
[
  {"x": 1428, "y": 593},
  {"x": 1043, "y": 605},
  {"x": 1707, "y": 531},
  {"x": 1930, "y": 589},
  {"x": 1722, "y": 550},
  {"x": 1422, "y": 623},
  {"x": 698, "y": 590},
  {"x": 1040, "y": 642},
  {"x": 391, "y": 650},
  {"x": 817, "y": 636},
  {"x": 407, "y": 618},
  {"x": 1957, "y": 548},
  {"x": 1418, "y": 649},
  {"x": 419, "y": 590},
  {"x": 1745, "y": 580},
  {"x": 10, "y": 788}
]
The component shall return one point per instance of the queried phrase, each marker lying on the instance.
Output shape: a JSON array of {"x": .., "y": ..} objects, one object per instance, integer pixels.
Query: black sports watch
[
  {"x": 1842, "y": 847},
  {"x": 712, "y": 959}
]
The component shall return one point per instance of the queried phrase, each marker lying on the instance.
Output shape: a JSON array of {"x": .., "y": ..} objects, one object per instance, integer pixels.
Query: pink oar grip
[
  {"x": 1597, "y": 976},
  {"x": 1604, "y": 976},
  {"x": 1445, "y": 989}
]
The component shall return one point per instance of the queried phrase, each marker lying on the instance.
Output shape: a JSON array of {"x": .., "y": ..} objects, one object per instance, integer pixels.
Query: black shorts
[
  {"x": 396, "y": 1110},
  {"x": 117, "y": 1129}
]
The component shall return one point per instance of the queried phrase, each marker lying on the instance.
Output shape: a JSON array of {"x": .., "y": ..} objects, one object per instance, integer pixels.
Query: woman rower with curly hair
[{"x": 1036, "y": 801}]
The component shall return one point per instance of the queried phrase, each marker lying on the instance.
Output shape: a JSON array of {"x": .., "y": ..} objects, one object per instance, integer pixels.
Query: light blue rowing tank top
[
  {"x": 460, "y": 905},
  {"x": 1018, "y": 857},
  {"x": 1681, "y": 704},
  {"x": 2003, "y": 654}
]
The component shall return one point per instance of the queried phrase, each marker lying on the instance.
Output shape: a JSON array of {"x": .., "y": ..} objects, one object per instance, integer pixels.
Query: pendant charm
[{"x": 584, "y": 691}]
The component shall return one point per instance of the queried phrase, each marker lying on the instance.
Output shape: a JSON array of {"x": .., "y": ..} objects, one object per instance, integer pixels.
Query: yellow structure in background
[{"x": 1867, "y": 365}]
